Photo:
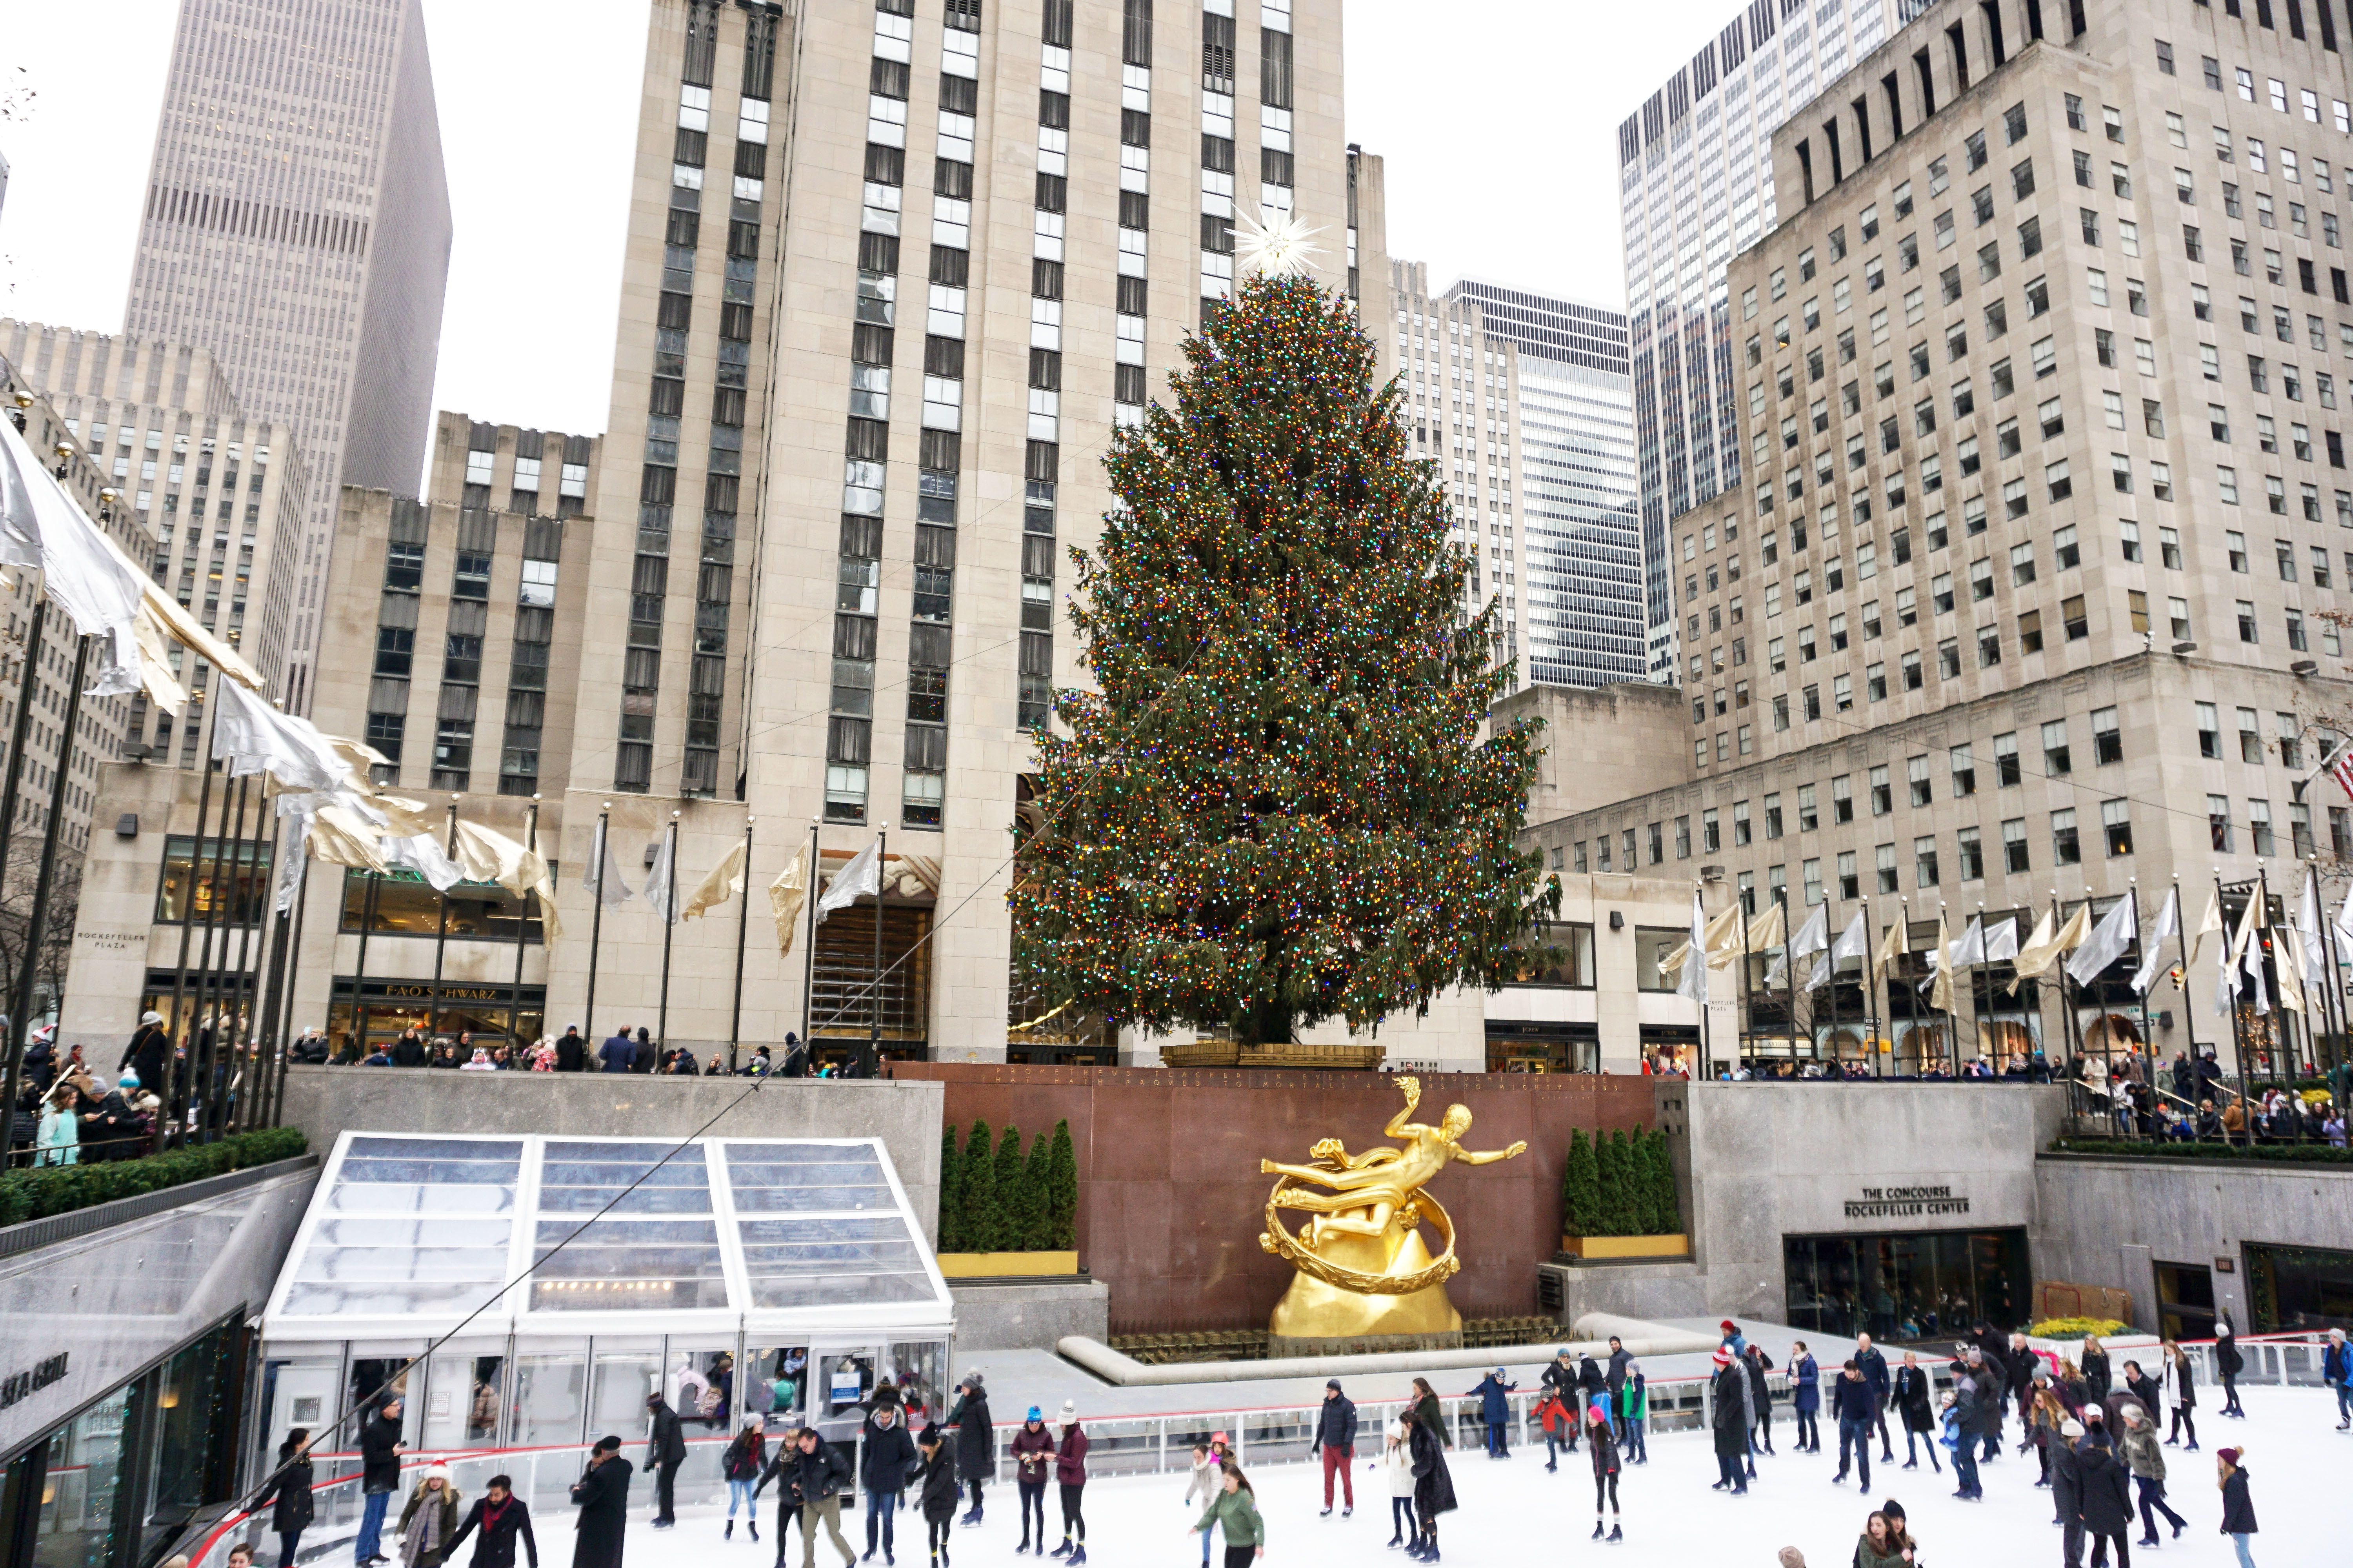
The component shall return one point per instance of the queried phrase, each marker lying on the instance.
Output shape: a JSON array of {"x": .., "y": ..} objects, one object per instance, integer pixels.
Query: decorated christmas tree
[{"x": 1279, "y": 804}]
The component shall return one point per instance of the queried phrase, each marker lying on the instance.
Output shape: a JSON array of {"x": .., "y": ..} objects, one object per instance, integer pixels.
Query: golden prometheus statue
[{"x": 1364, "y": 1269}]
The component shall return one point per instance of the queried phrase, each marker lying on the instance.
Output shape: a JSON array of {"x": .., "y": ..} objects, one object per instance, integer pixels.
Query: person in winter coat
[
  {"x": 429, "y": 1521},
  {"x": 2044, "y": 1416},
  {"x": 1913, "y": 1399},
  {"x": 292, "y": 1506},
  {"x": 1760, "y": 1396},
  {"x": 936, "y": 1492},
  {"x": 1335, "y": 1437},
  {"x": 2238, "y": 1507},
  {"x": 1071, "y": 1481},
  {"x": 1875, "y": 1371},
  {"x": 2228, "y": 1364},
  {"x": 1427, "y": 1411},
  {"x": 1852, "y": 1406},
  {"x": 1033, "y": 1467},
  {"x": 2093, "y": 1362},
  {"x": 976, "y": 1441},
  {"x": 1988, "y": 1376},
  {"x": 1433, "y": 1489},
  {"x": 2177, "y": 1383},
  {"x": 888, "y": 1464},
  {"x": 1560, "y": 1381},
  {"x": 2144, "y": 1457},
  {"x": 602, "y": 1495},
  {"x": 502, "y": 1518},
  {"x": 1396, "y": 1463},
  {"x": 1603, "y": 1447},
  {"x": 1806, "y": 1397},
  {"x": 1495, "y": 1410},
  {"x": 1234, "y": 1511},
  {"x": 1634, "y": 1414},
  {"x": 1590, "y": 1380},
  {"x": 1950, "y": 1424},
  {"x": 59, "y": 1134},
  {"x": 2104, "y": 1498},
  {"x": 1557, "y": 1420},
  {"x": 149, "y": 1051},
  {"x": 817, "y": 1476},
  {"x": 741, "y": 1465},
  {"x": 1614, "y": 1376},
  {"x": 2143, "y": 1387},
  {"x": 2336, "y": 1372},
  {"x": 2018, "y": 1379},
  {"x": 1878, "y": 1546},
  {"x": 1729, "y": 1419},
  {"x": 1204, "y": 1484},
  {"x": 380, "y": 1451},
  {"x": 665, "y": 1452}
]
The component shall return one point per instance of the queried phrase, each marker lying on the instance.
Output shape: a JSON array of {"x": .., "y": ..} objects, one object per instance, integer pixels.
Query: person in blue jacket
[
  {"x": 1806, "y": 1397},
  {"x": 2337, "y": 1371},
  {"x": 1495, "y": 1410}
]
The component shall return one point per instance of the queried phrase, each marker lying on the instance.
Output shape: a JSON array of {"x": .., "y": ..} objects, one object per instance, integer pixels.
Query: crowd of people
[{"x": 621, "y": 1052}]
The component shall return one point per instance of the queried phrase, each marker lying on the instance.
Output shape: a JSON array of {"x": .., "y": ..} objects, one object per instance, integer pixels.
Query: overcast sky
[{"x": 1498, "y": 122}]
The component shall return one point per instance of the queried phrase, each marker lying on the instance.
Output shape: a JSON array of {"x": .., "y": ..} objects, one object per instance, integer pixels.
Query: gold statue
[{"x": 1364, "y": 1271}]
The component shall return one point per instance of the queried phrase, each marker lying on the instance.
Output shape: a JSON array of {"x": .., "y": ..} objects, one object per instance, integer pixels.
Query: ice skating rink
[{"x": 1514, "y": 1514}]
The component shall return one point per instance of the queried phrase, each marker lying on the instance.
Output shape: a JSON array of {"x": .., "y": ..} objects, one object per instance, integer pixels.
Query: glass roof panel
[
  {"x": 407, "y": 1175},
  {"x": 370, "y": 1255},
  {"x": 631, "y": 1265},
  {"x": 633, "y": 1178},
  {"x": 837, "y": 1259},
  {"x": 803, "y": 1178}
]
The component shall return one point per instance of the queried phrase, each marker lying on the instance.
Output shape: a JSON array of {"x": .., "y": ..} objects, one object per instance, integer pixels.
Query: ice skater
[
  {"x": 1234, "y": 1511},
  {"x": 935, "y": 1492},
  {"x": 1397, "y": 1459},
  {"x": 741, "y": 1465},
  {"x": 1806, "y": 1397},
  {"x": 1603, "y": 1446},
  {"x": 1853, "y": 1406},
  {"x": 1204, "y": 1485},
  {"x": 1634, "y": 1413},
  {"x": 1033, "y": 1467},
  {"x": 1070, "y": 1477},
  {"x": 1495, "y": 1410},
  {"x": 2177, "y": 1382},
  {"x": 2228, "y": 1364}
]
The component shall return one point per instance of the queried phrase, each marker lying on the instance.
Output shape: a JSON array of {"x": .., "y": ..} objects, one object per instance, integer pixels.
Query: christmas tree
[{"x": 1278, "y": 805}]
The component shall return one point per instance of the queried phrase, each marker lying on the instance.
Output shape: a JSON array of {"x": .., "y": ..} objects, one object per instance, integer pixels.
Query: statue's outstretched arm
[
  {"x": 1490, "y": 1157},
  {"x": 1411, "y": 1088}
]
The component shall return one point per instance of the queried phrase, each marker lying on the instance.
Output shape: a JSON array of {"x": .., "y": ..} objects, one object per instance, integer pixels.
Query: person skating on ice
[
  {"x": 1071, "y": 1478},
  {"x": 1433, "y": 1489},
  {"x": 1203, "y": 1485},
  {"x": 935, "y": 1492},
  {"x": 1396, "y": 1460},
  {"x": 1234, "y": 1511},
  {"x": 1852, "y": 1407},
  {"x": 1806, "y": 1397},
  {"x": 1913, "y": 1400},
  {"x": 1033, "y": 1467},
  {"x": 1603, "y": 1446}
]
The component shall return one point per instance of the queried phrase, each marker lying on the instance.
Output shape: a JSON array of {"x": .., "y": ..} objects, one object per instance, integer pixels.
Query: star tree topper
[{"x": 1277, "y": 248}]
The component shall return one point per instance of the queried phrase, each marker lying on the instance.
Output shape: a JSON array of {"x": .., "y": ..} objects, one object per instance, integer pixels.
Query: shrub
[
  {"x": 2151, "y": 1149},
  {"x": 1012, "y": 1214},
  {"x": 1580, "y": 1188},
  {"x": 996, "y": 1198},
  {"x": 62, "y": 1189},
  {"x": 1063, "y": 1191},
  {"x": 1666, "y": 1212},
  {"x": 1037, "y": 1205},
  {"x": 978, "y": 1196},
  {"x": 2076, "y": 1328},
  {"x": 951, "y": 1192}
]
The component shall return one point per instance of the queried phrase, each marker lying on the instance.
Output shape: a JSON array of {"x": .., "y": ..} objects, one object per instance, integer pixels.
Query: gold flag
[
  {"x": 2210, "y": 925},
  {"x": 1891, "y": 948},
  {"x": 1765, "y": 931},
  {"x": 726, "y": 880},
  {"x": 1723, "y": 933},
  {"x": 1940, "y": 994},
  {"x": 2026, "y": 963},
  {"x": 787, "y": 894}
]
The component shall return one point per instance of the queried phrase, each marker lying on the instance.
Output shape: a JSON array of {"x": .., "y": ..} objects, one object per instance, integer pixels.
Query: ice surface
[{"x": 1513, "y": 1513}]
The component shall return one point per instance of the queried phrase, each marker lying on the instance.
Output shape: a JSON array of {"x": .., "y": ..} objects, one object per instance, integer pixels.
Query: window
[
  {"x": 2217, "y": 822},
  {"x": 1741, "y": 830},
  {"x": 2005, "y": 759},
  {"x": 2116, "y": 827},
  {"x": 2107, "y": 741},
  {"x": 2073, "y": 619},
  {"x": 1965, "y": 773},
  {"x": 1970, "y": 854},
  {"x": 2057, "y": 763},
  {"x": 2246, "y": 614},
  {"x": 2259, "y": 827},
  {"x": 1924, "y": 861},
  {"x": 2064, "y": 849},
  {"x": 1883, "y": 793},
  {"x": 2014, "y": 856}
]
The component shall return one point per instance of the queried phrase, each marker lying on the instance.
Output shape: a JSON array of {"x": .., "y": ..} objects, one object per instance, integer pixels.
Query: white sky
[{"x": 1498, "y": 124}]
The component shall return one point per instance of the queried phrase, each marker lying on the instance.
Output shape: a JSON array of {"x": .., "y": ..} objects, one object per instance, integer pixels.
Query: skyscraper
[
  {"x": 1582, "y": 545},
  {"x": 1695, "y": 179},
  {"x": 297, "y": 226}
]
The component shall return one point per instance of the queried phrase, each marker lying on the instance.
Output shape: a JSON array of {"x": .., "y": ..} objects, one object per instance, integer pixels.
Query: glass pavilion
[{"x": 739, "y": 1276}]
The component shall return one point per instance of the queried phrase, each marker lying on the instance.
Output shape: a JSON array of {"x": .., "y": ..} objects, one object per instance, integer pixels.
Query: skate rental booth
[{"x": 740, "y": 1277}]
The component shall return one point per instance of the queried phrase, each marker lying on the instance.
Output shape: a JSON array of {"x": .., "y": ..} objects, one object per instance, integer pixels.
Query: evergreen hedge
[
  {"x": 61, "y": 1189},
  {"x": 2261, "y": 1153},
  {"x": 996, "y": 1198},
  {"x": 1618, "y": 1185}
]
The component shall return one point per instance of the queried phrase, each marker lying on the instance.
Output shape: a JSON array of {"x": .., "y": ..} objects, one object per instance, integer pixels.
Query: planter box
[
  {"x": 1007, "y": 1264},
  {"x": 1678, "y": 1246}
]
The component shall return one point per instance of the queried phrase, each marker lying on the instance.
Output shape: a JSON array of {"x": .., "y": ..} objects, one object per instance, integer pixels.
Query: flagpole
[
  {"x": 808, "y": 953},
  {"x": 1706, "y": 1027},
  {"x": 872, "y": 1066},
  {"x": 522, "y": 931},
  {"x": 2230, "y": 961},
  {"x": 1740, "y": 991},
  {"x": 359, "y": 979},
  {"x": 2273, "y": 1033},
  {"x": 252, "y": 949},
  {"x": 2333, "y": 993},
  {"x": 20, "y": 1015},
  {"x": 1905, "y": 914},
  {"x": 1788, "y": 971},
  {"x": 743, "y": 931},
  {"x": 203, "y": 1053},
  {"x": 173, "y": 1078},
  {"x": 441, "y": 934},
  {"x": 669, "y": 924},
  {"x": 1979, "y": 986},
  {"x": 281, "y": 1008},
  {"x": 2181, "y": 941},
  {"x": 601, "y": 856},
  {"x": 27, "y": 689},
  {"x": 2133, "y": 886},
  {"x": 1829, "y": 957}
]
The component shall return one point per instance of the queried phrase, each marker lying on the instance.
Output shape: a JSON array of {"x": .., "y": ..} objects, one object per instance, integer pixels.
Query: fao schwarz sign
[
  {"x": 1904, "y": 1202},
  {"x": 23, "y": 1385}
]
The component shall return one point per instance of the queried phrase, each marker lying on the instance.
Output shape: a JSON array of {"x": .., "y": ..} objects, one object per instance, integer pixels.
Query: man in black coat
[
  {"x": 602, "y": 1495},
  {"x": 665, "y": 1452},
  {"x": 502, "y": 1517},
  {"x": 1335, "y": 1441},
  {"x": 976, "y": 1439},
  {"x": 1854, "y": 1406},
  {"x": 889, "y": 1462},
  {"x": 1560, "y": 1380},
  {"x": 380, "y": 1450},
  {"x": 619, "y": 1054},
  {"x": 816, "y": 1479},
  {"x": 2105, "y": 1498},
  {"x": 150, "y": 1048},
  {"x": 2067, "y": 1491},
  {"x": 409, "y": 1051},
  {"x": 1873, "y": 1367},
  {"x": 1729, "y": 1419},
  {"x": 571, "y": 1050},
  {"x": 2020, "y": 1381}
]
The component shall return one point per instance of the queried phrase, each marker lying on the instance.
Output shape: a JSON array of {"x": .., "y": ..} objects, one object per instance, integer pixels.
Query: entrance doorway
[{"x": 2185, "y": 1300}]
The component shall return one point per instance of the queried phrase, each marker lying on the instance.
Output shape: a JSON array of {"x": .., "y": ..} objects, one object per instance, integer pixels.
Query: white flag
[
  {"x": 2343, "y": 922},
  {"x": 2307, "y": 925},
  {"x": 2210, "y": 924},
  {"x": 1970, "y": 951},
  {"x": 2251, "y": 962},
  {"x": 2002, "y": 942},
  {"x": 250, "y": 736},
  {"x": 2226, "y": 971},
  {"x": 1693, "y": 983},
  {"x": 423, "y": 854},
  {"x": 2152, "y": 959},
  {"x": 604, "y": 877},
  {"x": 1852, "y": 943},
  {"x": 1811, "y": 938},
  {"x": 2108, "y": 940},
  {"x": 863, "y": 876},
  {"x": 658, "y": 894}
]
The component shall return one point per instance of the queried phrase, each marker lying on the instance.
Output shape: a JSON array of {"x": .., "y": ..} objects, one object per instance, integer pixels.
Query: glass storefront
[
  {"x": 1905, "y": 1286},
  {"x": 115, "y": 1486},
  {"x": 393, "y": 1005},
  {"x": 2298, "y": 1289}
]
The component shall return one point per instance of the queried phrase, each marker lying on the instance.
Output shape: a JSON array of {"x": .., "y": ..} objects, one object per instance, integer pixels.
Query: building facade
[
  {"x": 313, "y": 277},
  {"x": 1695, "y": 186},
  {"x": 2029, "y": 592}
]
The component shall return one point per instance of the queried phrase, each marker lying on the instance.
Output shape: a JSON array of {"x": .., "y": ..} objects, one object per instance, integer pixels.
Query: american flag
[{"x": 2343, "y": 768}]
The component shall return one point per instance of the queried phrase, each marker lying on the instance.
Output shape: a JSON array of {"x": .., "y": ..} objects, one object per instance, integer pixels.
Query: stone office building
[{"x": 2029, "y": 591}]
